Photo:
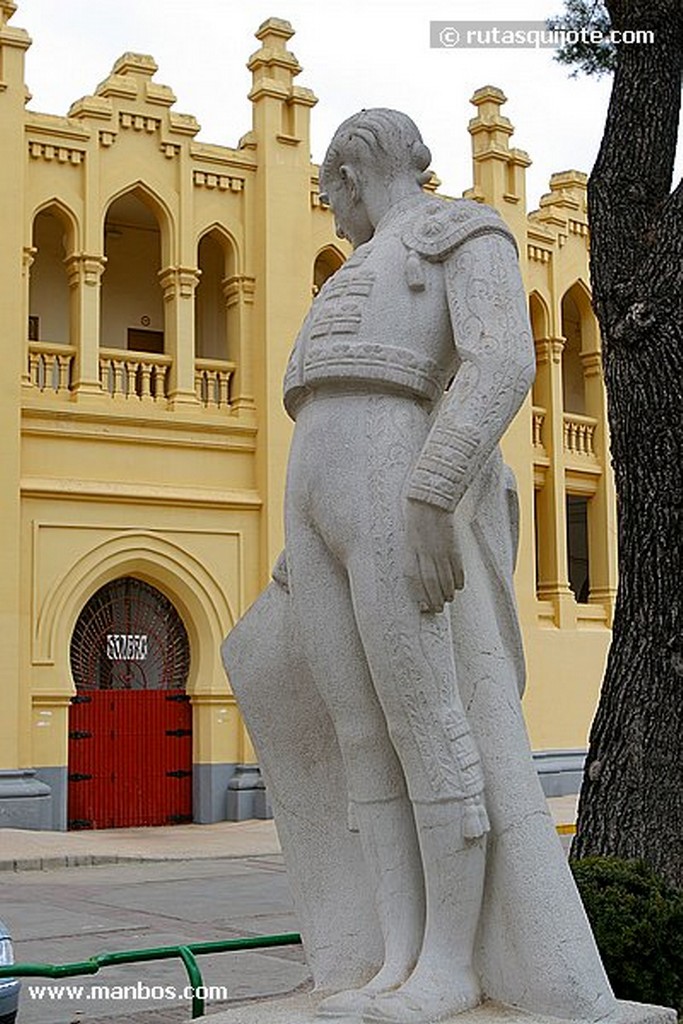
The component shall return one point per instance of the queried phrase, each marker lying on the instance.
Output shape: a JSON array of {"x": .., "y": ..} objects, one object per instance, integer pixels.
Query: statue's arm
[
  {"x": 492, "y": 336},
  {"x": 493, "y": 340}
]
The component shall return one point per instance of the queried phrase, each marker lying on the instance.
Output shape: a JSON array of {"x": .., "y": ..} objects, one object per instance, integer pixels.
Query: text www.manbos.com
[{"x": 139, "y": 991}]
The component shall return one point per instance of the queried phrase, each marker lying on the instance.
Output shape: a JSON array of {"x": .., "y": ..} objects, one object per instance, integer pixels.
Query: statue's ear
[{"x": 349, "y": 176}]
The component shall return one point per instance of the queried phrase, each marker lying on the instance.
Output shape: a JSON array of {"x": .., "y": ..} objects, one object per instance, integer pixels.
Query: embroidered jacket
[{"x": 435, "y": 296}]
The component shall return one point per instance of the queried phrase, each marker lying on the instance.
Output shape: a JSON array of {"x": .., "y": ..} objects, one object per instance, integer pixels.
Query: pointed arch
[
  {"x": 577, "y": 303},
  {"x": 137, "y": 229},
  {"x": 54, "y": 238},
  {"x": 573, "y": 311},
  {"x": 214, "y": 327},
  {"x": 228, "y": 243},
  {"x": 72, "y": 228},
  {"x": 539, "y": 314},
  {"x": 151, "y": 198},
  {"x": 327, "y": 262}
]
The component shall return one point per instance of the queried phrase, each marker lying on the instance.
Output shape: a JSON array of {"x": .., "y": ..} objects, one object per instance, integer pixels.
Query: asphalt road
[{"x": 70, "y": 914}]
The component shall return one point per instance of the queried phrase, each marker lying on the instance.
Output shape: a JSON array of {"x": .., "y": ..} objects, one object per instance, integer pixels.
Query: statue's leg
[
  {"x": 411, "y": 661},
  {"x": 392, "y": 857},
  {"x": 443, "y": 982},
  {"x": 380, "y": 805}
]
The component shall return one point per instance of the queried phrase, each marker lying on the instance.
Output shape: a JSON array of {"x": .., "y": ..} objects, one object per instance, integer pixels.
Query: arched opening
[
  {"x": 130, "y": 724},
  {"x": 49, "y": 319},
  {"x": 211, "y": 318},
  {"x": 573, "y": 383},
  {"x": 132, "y": 298},
  {"x": 327, "y": 263},
  {"x": 540, "y": 391},
  {"x": 217, "y": 319},
  {"x": 538, "y": 315}
]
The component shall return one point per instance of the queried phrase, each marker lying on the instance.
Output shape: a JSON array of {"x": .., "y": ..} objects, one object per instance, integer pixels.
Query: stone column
[
  {"x": 553, "y": 569},
  {"x": 179, "y": 284},
  {"x": 85, "y": 278},
  {"x": 29, "y": 255},
  {"x": 602, "y": 518},
  {"x": 238, "y": 292}
]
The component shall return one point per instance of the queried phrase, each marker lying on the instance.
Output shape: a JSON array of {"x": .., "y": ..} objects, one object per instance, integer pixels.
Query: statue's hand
[{"x": 434, "y": 568}]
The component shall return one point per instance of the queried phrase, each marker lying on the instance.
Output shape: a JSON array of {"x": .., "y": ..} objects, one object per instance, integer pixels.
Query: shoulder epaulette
[{"x": 435, "y": 231}]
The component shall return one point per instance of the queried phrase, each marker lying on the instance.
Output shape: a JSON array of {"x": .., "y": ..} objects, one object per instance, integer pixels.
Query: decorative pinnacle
[
  {"x": 274, "y": 62},
  {"x": 7, "y": 9},
  {"x": 140, "y": 64},
  {"x": 489, "y": 128},
  {"x": 489, "y": 94},
  {"x": 274, "y": 32}
]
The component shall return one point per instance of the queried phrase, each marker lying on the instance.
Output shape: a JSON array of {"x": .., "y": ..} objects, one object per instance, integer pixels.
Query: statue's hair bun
[
  {"x": 421, "y": 158},
  {"x": 420, "y": 155}
]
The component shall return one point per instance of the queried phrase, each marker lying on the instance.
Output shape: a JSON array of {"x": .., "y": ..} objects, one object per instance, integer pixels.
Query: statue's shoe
[
  {"x": 405, "y": 1007},
  {"x": 350, "y": 1003}
]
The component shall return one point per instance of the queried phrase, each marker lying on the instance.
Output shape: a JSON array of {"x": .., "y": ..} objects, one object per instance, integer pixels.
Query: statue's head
[{"x": 376, "y": 147}]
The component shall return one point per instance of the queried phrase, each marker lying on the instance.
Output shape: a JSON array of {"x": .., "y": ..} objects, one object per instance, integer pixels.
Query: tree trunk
[{"x": 631, "y": 802}]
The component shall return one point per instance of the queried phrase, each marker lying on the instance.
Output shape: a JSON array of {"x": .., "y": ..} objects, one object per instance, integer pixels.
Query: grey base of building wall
[
  {"x": 25, "y": 801},
  {"x": 247, "y": 797},
  {"x": 560, "y": 771},
  {"x": 57, "y": 780},
  {"x": 228, "y": 792},
  {"x": 210, "y": 792}
]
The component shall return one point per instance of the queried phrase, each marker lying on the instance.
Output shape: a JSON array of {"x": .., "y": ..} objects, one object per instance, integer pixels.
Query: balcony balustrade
[{"x": 50, "y": 366}]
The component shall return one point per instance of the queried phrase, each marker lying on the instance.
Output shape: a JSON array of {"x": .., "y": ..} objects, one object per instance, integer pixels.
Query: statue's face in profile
[{"x": 351, "y": 218}]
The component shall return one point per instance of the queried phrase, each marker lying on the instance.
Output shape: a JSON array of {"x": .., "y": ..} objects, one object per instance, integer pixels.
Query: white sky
[{"x": 354, "y": 54}]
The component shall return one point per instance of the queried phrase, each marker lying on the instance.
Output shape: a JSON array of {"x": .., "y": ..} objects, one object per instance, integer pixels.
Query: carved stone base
[{"x": 300, "y": 1009}]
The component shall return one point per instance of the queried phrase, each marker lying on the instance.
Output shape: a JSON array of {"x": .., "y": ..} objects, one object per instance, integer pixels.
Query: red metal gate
[
  {"x": 130, "y": 725},
  {"x": 130, "y": 759}
]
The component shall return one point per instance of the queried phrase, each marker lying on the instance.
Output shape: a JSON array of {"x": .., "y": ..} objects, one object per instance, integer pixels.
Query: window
[
  {"x": 145, "y": 341},
  {"x": 577, "y": 547}
]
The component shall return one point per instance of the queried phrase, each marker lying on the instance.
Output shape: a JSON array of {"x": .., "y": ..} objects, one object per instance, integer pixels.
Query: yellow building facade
[{"x": 151, "y": 286}]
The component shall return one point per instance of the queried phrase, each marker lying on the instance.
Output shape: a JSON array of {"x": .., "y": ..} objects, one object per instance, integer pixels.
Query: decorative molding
[
  {"x": 178, "y": 282},
  {"x": 50, "y": 152},
  {"x": 223, "y": 182},
  {"x": 28, "y": 256},
  {"x": 84, "y": 269},
  {"x": 538, "y": 254},
  {"x": 578, "y": 227},
  {"x": 139, "y": 122},
  {"x": 240, "y": 286}
]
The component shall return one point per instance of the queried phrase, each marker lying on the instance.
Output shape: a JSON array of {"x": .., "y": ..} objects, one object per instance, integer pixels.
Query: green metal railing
[{"x": 188, "y": 953}]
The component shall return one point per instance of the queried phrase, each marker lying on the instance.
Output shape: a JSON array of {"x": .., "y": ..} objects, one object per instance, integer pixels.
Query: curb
[
  {"x": 77, "y": 860},
  {"x": 81, "y": 860}
]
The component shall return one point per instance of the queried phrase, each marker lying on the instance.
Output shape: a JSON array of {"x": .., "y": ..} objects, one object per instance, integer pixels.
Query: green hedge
[{"x": 637, "y": 919}]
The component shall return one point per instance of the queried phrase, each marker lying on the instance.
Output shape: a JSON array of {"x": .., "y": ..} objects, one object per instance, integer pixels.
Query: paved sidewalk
[
  {"x": 25, "y": 850},
  {"x": 22, "y": 849}
]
